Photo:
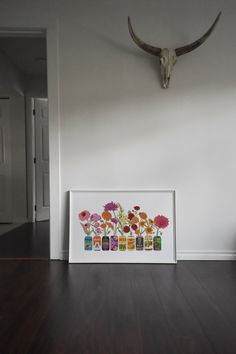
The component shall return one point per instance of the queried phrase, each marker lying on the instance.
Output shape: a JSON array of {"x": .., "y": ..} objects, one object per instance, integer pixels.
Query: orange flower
[
  {"x": 149, "y": 230},
  {"x": 106, "y": 215},
  {"x": 142, "y": 223},
  {"x": 143, "y": 215},
  {"x": 134, "y": 220},
  {"x": 103, "y": 226},
  {"x": 109, "y": 224},
  {"x": 150, "y": 221}
]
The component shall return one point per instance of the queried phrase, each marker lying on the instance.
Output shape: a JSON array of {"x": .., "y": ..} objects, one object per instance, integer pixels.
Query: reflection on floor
[
  {"x": 4, "y": 228},
  {"x": 30, "y": 240}
]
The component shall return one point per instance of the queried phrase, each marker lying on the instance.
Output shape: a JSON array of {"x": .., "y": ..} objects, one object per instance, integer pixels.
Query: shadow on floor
[{"x": 30, "y": 240}]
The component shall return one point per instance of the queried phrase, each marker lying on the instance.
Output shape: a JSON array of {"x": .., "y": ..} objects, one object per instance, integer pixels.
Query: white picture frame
[{"x": 99, "y": 244}]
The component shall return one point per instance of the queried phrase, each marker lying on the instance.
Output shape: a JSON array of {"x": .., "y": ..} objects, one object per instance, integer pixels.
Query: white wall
[
  {"x": 119, "y": 129},
  {"x": 12, "y": 85}
]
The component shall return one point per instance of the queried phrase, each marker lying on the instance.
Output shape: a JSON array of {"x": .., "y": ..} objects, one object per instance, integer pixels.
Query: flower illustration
[
  {"x": 95, "y": 217},
  {"x": 143, "y": 215},
  {"x": 149, "y": 230},
  {"x": 114, "y": 220},
  {"x": 136, "y": 208},
  {"x": 106, "y": 215},
  {"x": 99, "y": 231},
  {"x": 126, "y": 229},
  {"x": 131, "y": 215},
  {"x": 161, "y": 221},
  {"x": 84, "y": 215},
  {"x": 111, "y": 206},
  {"x": 134, "y": 227}
]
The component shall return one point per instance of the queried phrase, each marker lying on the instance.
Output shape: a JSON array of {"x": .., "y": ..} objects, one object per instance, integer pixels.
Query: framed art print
[{"x": 114, "y": 226}]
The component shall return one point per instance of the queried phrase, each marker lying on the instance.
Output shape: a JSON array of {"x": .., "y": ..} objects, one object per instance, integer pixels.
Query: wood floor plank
[
  {"x": 56, "y": 308},
  {"x": 187, "y": 331},
  {"x": 152, "y": 324},
  {"x": 218, "y": 330},
  {"x": 219, "y": 281}
]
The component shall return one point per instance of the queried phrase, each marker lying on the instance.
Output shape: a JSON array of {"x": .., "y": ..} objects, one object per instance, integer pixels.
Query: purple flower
[
  {"x": 111, "y": 206},
  {"x": 96, "y": 224},
  {"x": 114, "y": 220},
  {"x": 95, "y": 217},
  {"x": 98, "y": 231}
]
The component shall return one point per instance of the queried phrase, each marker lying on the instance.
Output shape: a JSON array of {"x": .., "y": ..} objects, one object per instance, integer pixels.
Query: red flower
[
  {"x": 136, "y": 207},
  {"x": 131, "y": 215},
  {"x": 134, "y": 227},
  {"x": 126, "y": 229},
  {"x": 161, "y": 221},
  {"x": 84, "y": 215}
]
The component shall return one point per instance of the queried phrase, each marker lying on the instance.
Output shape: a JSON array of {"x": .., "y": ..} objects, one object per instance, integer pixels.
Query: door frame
[{"x": 49, "y": 25}]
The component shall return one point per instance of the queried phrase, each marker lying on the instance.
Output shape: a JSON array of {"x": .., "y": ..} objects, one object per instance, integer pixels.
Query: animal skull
[{"x": 168, "y": 57}]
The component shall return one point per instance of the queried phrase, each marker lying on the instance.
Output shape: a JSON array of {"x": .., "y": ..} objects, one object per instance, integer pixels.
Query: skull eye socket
[{"x": 163, "y": 60}]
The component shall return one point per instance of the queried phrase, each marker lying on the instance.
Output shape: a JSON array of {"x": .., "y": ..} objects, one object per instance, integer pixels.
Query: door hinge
[
  {"x": 34, "y": 159},
  {"x": 35, "y": 207}
]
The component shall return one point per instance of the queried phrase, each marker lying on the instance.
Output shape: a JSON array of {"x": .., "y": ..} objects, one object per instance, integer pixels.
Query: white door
[
  {"x": 5, "y": 161},
  {"x": 42, "y": 159}
]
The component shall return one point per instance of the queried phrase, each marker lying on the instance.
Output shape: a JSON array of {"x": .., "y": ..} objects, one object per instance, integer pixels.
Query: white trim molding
[{"x": 206, "y": 255}]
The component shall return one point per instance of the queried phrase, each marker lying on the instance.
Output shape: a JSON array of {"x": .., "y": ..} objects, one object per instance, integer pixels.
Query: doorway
[{"x": 24, "y": 152}]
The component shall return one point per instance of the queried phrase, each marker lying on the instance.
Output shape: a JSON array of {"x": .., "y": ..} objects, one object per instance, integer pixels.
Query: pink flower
[
  {"x": 111, "y": 206},
  {"x": 161, "y": 221},
  {"x": 87, "y": 225},
  {"x": 114, "y": 220},
  {"x": 96, "y": 224},
  {"x": 84, "y": 215},
  {"x": 99, "y": 231},
  {"x": 95, "y": 217}
]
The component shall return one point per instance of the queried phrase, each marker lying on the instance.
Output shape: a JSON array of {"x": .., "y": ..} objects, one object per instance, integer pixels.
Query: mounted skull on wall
[{"x": 168, "y": 57}]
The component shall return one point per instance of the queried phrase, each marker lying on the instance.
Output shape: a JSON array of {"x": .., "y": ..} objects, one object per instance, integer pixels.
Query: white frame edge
[{"x": 65, "y": 254}]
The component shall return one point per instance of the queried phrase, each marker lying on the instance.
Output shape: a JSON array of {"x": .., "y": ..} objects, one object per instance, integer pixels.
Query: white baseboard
[
  {"x": 64, "y": 256},
  {"x": 189, "y": 255},
  {"x": 206, "y": 255}
]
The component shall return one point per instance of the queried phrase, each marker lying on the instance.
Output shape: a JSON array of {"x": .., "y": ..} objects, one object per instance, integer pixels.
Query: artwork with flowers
[{"x": 114, "y": 231}]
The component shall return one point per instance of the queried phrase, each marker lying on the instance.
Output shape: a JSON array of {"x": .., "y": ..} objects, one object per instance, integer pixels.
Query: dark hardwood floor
[
  {"x": 54, "y": 308},
  {"x": 30, "y": 240}
]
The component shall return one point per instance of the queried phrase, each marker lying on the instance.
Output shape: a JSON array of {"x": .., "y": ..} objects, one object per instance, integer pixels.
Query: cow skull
[{"x": 168, "y": 57}]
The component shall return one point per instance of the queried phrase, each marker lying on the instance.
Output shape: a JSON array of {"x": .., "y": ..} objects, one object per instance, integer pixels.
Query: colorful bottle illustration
[
  {"x": 131, "y": 243},
  {"x": 122, "y": 243},
  {"x": 139, "y": 243},
  {"x": 148, "y": 242},
  {"x": 88, "y": 243},
  {"x": 114, "y": 243},
  {"x": 157, "y": 243},
  {"x": 105, "y": 243},
  {"x": 97, "y": 243}
]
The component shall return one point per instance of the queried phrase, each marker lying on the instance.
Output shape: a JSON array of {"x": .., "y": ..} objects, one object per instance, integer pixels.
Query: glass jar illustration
[
  {"x": 114, "y": 243},
  {"x": 131, "y": 243},
  {"x": 157, "y": 243},
  {"x": 88, "y": 243},
  {"x": 139, "y": 243},
  {"x": 97, "y": 243},
  {"x": 148, "y": 242},
  {"x": 105, "y": 243},
  {"x": 122, "y": 243}
]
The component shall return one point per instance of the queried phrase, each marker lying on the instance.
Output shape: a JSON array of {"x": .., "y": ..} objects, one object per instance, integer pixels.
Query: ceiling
[{"x": 27, "y": 54}]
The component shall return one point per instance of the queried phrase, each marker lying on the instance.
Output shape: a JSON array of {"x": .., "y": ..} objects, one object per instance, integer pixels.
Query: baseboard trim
[
  {"x": 64, "y": 255},
  {"x": 206, "y": 255}
]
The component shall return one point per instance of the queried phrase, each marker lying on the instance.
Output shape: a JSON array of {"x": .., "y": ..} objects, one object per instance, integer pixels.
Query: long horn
[
  {"x": 148, "y": 48},
  {"x": 188, "y": 48}
]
